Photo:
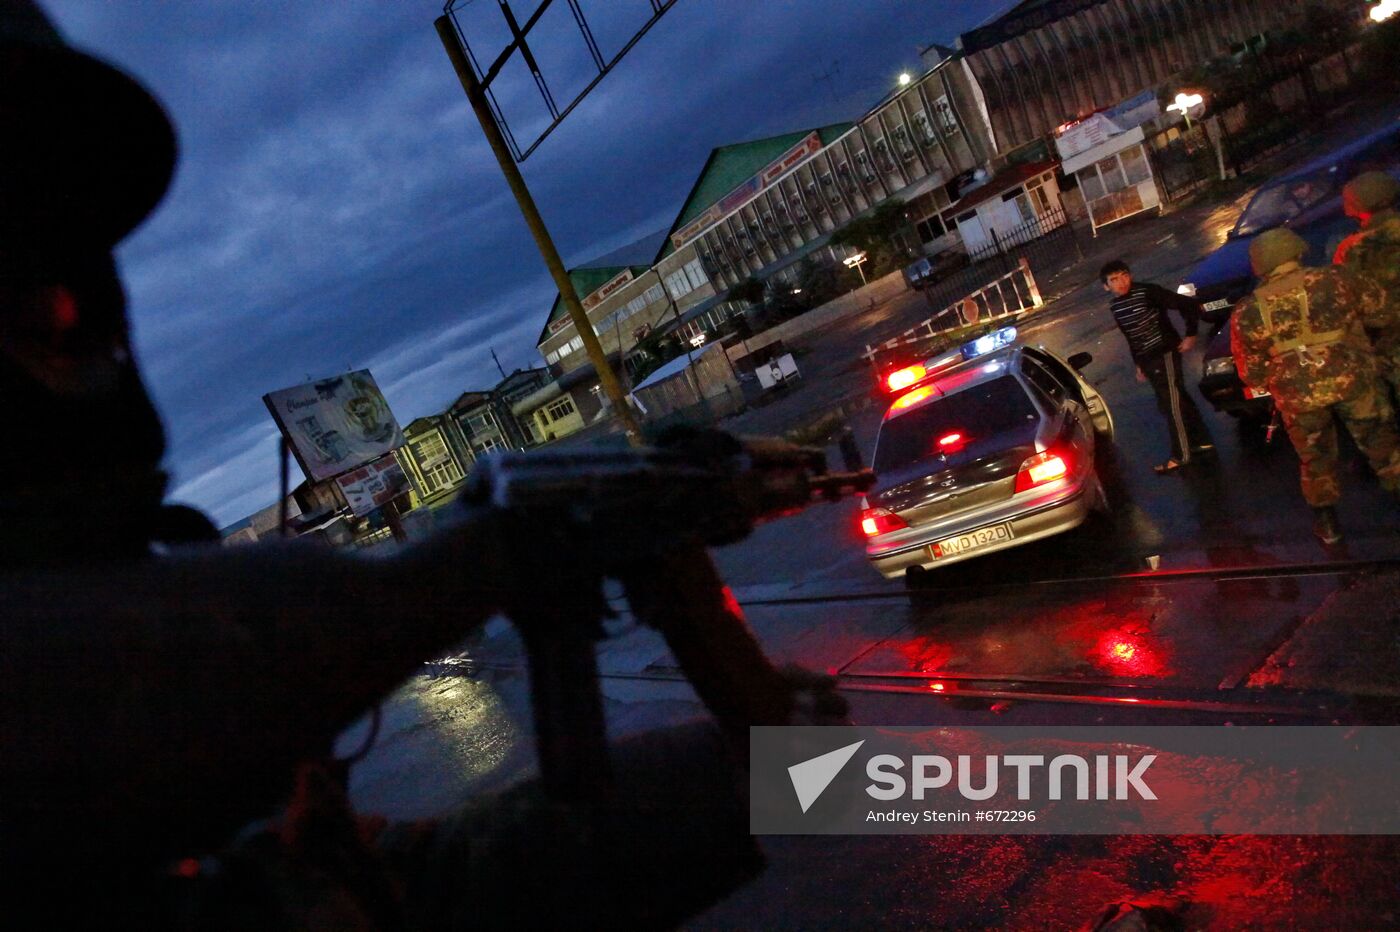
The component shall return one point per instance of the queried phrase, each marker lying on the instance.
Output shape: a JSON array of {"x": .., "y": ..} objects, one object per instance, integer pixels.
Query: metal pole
[
  {"x": 689, "y": 356},
  {"x": 476, "y": 95}
]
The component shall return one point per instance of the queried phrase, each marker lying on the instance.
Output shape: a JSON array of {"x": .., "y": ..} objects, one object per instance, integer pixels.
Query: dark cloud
[{"x": 337, "y": 207}]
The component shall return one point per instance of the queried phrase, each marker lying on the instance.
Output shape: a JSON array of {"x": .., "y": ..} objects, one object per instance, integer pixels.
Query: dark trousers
[{"x": 1184, "y": 422}]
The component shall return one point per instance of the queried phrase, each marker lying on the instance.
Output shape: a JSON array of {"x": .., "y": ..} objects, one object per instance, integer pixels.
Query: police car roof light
[{"x": 989, "y": 343}]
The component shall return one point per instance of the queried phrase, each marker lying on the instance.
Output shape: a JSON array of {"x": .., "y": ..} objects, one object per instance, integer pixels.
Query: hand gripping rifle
[{"x": 644, "y": 517}]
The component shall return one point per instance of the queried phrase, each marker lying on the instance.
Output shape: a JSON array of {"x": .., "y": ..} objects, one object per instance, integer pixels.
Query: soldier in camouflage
[
  {"x": 1374, "y": 250},
  {"x": 1302, "y": 336}
]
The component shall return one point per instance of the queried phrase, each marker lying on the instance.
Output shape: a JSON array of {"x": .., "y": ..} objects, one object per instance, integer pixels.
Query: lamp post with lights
[
  {"x": 855, "y": 262},
  {"x": 1183, "y": 104}
]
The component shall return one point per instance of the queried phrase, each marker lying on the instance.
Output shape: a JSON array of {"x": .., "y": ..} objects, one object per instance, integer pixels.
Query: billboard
[
  {"x": 373, "y": 485},
  {"x": 335, "y": 425}
]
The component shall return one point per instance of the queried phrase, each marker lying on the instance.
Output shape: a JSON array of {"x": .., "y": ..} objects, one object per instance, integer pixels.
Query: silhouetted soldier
[{"x": 150, "y": 708}]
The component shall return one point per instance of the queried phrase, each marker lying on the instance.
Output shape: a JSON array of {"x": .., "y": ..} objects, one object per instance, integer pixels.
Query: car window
[
  {"x": 1042, "y": 379},
  {"x": 978, "y": 412},
  {"x": 1279, "y": 203},
  {"x": 1058, "y": 371}
]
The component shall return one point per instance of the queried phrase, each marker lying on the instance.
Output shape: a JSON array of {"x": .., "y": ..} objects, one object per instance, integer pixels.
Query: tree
[
  {"x": 874, "y": 234},
  {"x": 750, "y": 291}
]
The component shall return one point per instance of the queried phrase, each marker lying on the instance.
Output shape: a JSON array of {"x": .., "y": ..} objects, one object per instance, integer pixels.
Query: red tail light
[
  {"x": 876, "y": 521},
  {"x": 1040, "y": 469},
  {"x": 903, "y": 378}
]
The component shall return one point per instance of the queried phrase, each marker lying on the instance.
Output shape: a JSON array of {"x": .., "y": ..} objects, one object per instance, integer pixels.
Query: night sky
[{"x": 336, "y": 205}]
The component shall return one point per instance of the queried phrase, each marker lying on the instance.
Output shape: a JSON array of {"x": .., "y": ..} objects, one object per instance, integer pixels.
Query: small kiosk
[{"x": 1106, "y": 153}]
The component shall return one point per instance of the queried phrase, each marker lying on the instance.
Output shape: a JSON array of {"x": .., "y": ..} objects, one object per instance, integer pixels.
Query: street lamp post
[
  {"x": 855, "y": 262},
  {"x": 1183, "y": 104}
]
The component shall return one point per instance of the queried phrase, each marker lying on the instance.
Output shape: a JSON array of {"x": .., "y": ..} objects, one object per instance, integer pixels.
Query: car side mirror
[{"x": 1079, "y": 360}]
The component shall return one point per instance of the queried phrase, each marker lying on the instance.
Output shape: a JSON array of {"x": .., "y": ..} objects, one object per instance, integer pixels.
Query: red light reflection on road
[{"x": 1125, "y": 651}]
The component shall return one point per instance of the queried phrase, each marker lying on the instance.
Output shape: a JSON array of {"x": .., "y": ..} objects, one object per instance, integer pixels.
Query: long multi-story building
[{"x": 759, "y": 207}]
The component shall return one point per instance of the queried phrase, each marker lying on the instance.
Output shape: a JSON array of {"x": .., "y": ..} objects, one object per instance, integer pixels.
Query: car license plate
[
  {"x": 1215, "y": 305},
  {"x": 972, "y": 540}
]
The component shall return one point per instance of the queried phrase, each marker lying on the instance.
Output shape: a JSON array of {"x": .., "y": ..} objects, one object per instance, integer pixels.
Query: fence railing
[
  {"x": 1007, "y": 297},
  {"x": 1004, "y": 242}
]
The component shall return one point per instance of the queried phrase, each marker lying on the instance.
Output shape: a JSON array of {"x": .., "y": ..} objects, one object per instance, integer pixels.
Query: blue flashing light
[{"x": 989, "y": 343}]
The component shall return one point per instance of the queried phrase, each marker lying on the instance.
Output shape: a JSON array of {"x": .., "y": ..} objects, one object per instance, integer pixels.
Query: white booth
[{"x": 1115, "y": 178}]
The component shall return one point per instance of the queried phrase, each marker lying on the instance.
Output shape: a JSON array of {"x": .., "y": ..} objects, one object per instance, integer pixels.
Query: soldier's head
[
  {"x": 1117, "y": 278},
  {"x": 1368, "y": 193},
  {"x": 86, "y": 155},
  {"x": 1273, "y": 248}
]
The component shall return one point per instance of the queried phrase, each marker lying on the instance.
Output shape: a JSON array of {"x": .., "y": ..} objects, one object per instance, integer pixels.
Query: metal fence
[
  {"x": 1183, "y": 160},
  {"x": 1004, "y": 298},
  {"x": 1045, "y": 244},
  {"x": 1009, "y": 245}
]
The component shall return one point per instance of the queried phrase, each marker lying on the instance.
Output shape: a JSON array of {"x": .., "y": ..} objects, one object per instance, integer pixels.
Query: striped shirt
[{"x": 1142, "y": 316}]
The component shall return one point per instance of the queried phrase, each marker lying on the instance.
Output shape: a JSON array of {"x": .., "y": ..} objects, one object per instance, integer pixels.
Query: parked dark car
[
  {"x": 930, "y": 270},
  {"x": 1307, "y": 200}
]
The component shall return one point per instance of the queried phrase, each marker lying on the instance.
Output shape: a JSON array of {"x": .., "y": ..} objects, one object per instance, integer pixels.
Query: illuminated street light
[
  {"x": 855, "y": 262},
  {"x": 905, "y": 78},
  {"x": 1385, "y": 10},
  {"x": 1184, "y": 102}
]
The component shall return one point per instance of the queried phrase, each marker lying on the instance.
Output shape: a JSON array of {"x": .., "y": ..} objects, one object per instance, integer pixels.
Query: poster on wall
[
  {"x": 335, "y": 425},
  {"x": 373, "y": 485}
]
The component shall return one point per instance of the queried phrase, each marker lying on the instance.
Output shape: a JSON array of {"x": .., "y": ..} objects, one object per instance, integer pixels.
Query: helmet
[
  {"x": 88, "y": 152},
  {"x": 1371, "y": 191},
  {"x": 1273, "y": 248}
]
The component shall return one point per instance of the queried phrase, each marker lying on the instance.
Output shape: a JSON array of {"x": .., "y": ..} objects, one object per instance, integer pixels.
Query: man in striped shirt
[{"x": 1140, "y": 311}]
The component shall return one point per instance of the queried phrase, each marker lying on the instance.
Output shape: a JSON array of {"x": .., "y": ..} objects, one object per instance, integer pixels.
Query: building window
[
  {"x": 439, "y": 470},
  {"x": 947, "y": 119},
  {"x": 487, "y": 444},
  {"x": 560, "y": 409},
  {"x": 931, "y": 229},
  {"x": 677, "y": 284},
  {"x": 1135, "y": 165},
  {"x": 925, "y": 128},
  {"x": 902, "y": 143},
  {"x": 882, "y": 156},
  {"x": 695, "y": 273},
  {"x": 867, "y": 170},
  {"x": 799, "y": 210},
  {"x": 843, "y": 171},
  {"x": 1112, "y": 174}
]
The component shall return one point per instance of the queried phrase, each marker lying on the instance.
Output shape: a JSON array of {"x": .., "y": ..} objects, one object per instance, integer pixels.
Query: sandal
[{"x": 1170, "y": 466}]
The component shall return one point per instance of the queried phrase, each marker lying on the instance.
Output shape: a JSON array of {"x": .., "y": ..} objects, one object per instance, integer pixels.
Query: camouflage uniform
[
  {"x": 1301, "y": 335},
  {"x": 1374, "y": 251}
]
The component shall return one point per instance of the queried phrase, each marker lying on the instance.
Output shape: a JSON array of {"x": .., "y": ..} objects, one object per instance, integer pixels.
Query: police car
[{"x": 985, "y": 449}]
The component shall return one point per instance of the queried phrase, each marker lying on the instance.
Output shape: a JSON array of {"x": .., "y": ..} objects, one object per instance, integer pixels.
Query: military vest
[{"x": 1271, "y": 300}]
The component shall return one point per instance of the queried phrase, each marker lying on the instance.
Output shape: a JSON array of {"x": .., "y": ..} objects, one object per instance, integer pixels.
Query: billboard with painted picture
[
  {"x": 336, "y": 424},
  {"x": 373, "y": 485}
]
